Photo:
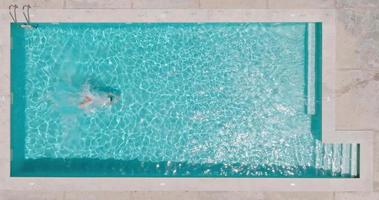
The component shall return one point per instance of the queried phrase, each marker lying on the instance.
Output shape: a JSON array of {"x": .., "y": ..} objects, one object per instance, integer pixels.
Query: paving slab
[
  {"x": 357, "y": 97},
  {"x": 232, "y": 4},
  {"x": 167, "y": 4},
  {"x": 299, "y": 196},
  {"x": 98, "y": 4},
  {"x": 357, "y": 3},
  {"x": 321, "y": 4},
  {"x": 376, "y": 162},
  {"x": 356, "y": 196},
  {"x": 39, "y": 4},
  {"x": 32, "y": 195},
  {"x": 358, "y": 38}
]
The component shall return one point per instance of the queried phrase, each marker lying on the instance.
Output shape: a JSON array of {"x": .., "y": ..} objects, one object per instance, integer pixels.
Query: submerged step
[
  {"x": 311, "y": 65},
  {"x": 328, "y": 157},
  {"x": 319, "y": 152},
  {"x": 337, "y": 159},
  {"x": 354, "y": 160},
  {"x": 346, "y": 157}
]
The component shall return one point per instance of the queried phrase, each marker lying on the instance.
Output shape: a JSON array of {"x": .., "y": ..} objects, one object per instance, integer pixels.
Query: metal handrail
[
  {"x": 13, "y": 16},
  {"x": 27, "y": 16}
]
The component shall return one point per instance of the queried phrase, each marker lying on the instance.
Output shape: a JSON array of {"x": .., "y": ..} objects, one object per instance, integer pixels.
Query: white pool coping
[{"x": 330, "y": 135}]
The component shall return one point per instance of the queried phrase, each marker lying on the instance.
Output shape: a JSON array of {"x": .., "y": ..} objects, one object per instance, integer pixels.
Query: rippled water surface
[{"x": 208, "y": 99}]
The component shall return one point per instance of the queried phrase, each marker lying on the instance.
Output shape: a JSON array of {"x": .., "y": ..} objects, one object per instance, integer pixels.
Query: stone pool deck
[{"x": 357, "y": 85}]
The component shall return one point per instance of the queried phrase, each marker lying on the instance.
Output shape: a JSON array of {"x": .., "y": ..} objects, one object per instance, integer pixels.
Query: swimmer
[
  {"x": 85, "y": 102},
  {"x": 87, "y": 96},
  {"x": 96, "y": 99}
]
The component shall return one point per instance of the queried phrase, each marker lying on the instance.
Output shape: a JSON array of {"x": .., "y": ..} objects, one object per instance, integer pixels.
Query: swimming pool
[{"x": 193, "y": 100}]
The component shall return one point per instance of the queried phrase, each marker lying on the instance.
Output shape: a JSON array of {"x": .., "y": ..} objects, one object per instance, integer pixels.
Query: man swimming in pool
[{"x": 95, "y": 99}]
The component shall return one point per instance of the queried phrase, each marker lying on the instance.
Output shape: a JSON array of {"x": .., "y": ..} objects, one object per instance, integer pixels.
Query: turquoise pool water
[{"x": 193, "y": 100}]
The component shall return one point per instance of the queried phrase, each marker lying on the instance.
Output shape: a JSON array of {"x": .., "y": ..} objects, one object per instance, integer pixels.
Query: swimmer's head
[{"x": 111, "y": 97}]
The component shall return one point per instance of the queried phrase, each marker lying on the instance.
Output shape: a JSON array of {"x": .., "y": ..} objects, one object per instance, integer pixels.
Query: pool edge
[{"x": 330, "y": 135}]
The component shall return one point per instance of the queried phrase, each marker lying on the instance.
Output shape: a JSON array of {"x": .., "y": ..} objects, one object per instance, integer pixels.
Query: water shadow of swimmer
[{"x": 95, "y": 94}]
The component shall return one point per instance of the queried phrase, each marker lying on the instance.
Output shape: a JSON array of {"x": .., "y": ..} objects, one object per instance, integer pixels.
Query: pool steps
[
  {"x": 25, "y": 11},
  {"x": 339, "y": 160}
]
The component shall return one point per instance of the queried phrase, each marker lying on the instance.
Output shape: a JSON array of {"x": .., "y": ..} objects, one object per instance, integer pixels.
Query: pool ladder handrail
[
  {"x": 26, "y": 14},
  {"x": 13, "y": 15}
]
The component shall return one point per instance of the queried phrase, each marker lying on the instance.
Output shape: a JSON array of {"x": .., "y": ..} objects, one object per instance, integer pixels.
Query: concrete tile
[
  {"x": 230, "y": 195},
  {"x": 4, "y": 170},
  {"x": 39, "y": 4},
  {"x": 98, "y": 4},
  {"x": 357, "y": 99},
  {"x": 4, "y": 140},
  {"x": 5, "y": 102},
  {"x": 32, "y": 195},
  {"x": 96, "y": 195},
  {"x": 356, "y": 195},
  {"x": 376, "y": 185},
  {"x": 5, "y": 77},
  {"x": 376, "y": 162},
  {"x": 298, "y": 196},
  {"x": 197, "y": 195},
  {"x": 224, "y": 4},
  {"x": 165, "y": 195},
  {"x": 165, "y": 4},
  {"x": 357, "y": 3},
  {"x": 279, "y": 4},
  {"x": 5, "y": 67},
  {"x": 357, "y": 38}
]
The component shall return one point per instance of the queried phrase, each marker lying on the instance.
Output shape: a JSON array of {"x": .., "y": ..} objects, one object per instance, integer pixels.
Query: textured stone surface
[
  {"x": 356, "y": 196},
  {"x": 357, "y": 3},
  {"x": 299, "y": 196},
  {"x": 31, "y": 195},
  {"x": 96, "y": 195},
  {"x": 376, "y": 183},
  {"x": 301, "y": 4},
  {"x": 357, "y": 85},
  {"x": 98, "y": 4},
  {"x": 4, "y": 163},
  {"x": 5, "y": 71},
  {"x": 165, "y": 4},
  {"x": 5, "y": 125},
  {"x": 376, "y": 162},
  {"x": 5, "y": 101},
  {"x": 34, "y": 3},
  {"x": 229, "y": 195},
  {"x": 358, "y": 38},
  {"x": 357, "y": 99},
  {"x": 4, "y": 76},
  {"x": 225, "y": 4}
]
